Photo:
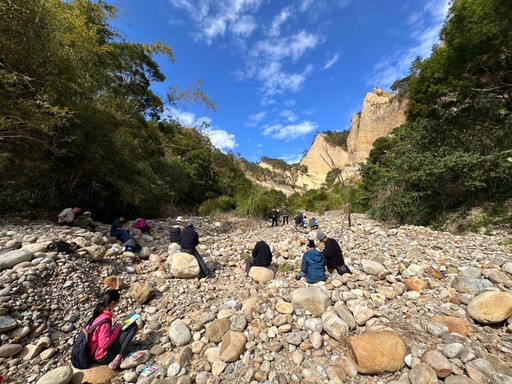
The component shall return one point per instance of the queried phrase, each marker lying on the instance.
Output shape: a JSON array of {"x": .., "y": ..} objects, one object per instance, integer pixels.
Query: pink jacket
[{"x": 102, "y": 337}]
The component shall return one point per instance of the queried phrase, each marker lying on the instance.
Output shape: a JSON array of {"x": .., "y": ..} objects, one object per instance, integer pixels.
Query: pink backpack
[{"x": 141, "y": 223}]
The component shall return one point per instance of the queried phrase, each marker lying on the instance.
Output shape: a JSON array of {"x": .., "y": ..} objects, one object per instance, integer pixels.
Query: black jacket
[
  {"x": 333, "y": 254},
  {"x": 261, "y": 254},
  {"x": 175, "y": 235},
  {"x": 189, "y": 238}
]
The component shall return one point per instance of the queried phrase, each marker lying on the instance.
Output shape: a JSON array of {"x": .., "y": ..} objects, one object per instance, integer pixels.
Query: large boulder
[
  {"x": 377, "y": 353},
  {"x": 311, "y": 299},
  {"x": 464, "y": 284},
  {"x": 216, "y": 329},
  {"x": 12, "y": 258},
  {"x": 96, "y": 252},
  {"x": 261, "y": 274},
  {"x": 371, "y": 267},
  {"x": 35, "y": 247},
  {"x": 233, "y": 345},
  {"x": 184, "y": 266},
  {"x": 490, "y": 307}
]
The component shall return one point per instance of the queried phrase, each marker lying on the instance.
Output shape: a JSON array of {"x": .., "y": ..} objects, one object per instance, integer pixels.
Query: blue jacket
[
  {"x": 313, "y": 265},
  {"x": 116, "y": 224}
]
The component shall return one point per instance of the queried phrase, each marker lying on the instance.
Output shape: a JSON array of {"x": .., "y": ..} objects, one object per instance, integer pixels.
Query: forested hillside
[
  {"x": 78, "y": 121},
  {"x": 455, "y": 149}
]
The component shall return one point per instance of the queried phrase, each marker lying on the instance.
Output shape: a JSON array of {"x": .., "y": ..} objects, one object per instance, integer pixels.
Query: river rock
[
  {"x": 371, "y": 267},
  {"x": 179, "y": 333},
  {"x": 261, "y": 274},
  {"x": 184, "y": 266},
  {"x": 143, "y": 292},
  {"x": 312, "y": 299},
  {"x": 284, "y": 307},
  {"x": 114, "y": 282},
  {"x": 463, "y": 284},
  {"x": 8, "y": 350},
  {"x": 422, "y": 374},
  {"x": 34, "y": 248},
  {"x": 415, "y": 284},
  {"x": 95, "y": 252},
  {"x": 7, "y": 323},
  {"x": 334, "y": 326},
  {"x": 12, "y": 258},
  {"x": 95, "y": 374},
  {"x": 61, "y": 375},
  {"x": 438, "y": 362},
  {"x": 233, "y": 344},
  {"x": 377, "y": 353},
  {"x": 135, "y": 359},
  {"x": 216, "y": 329},
  {"x": 490, "y": 307},
  {"x": 498, "y": 277}
]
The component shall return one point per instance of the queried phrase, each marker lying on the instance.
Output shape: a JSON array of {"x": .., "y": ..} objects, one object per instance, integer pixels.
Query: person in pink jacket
[{"x": 107, "y": 344}]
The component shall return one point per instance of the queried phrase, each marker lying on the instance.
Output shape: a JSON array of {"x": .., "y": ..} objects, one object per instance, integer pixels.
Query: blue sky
[{"x": 281, "y": 71}]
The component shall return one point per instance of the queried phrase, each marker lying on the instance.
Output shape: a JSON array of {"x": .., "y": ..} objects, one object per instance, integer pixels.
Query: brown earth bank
[{"x": 420, "y": 306}]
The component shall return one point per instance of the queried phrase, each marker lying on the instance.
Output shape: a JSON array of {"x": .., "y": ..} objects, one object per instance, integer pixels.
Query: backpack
[
  {"x": 131, "y": 246},
  {"x": 80, "y": 356},
  {"x": 61, "y": 246},
  {"x": 141, "y": 223}
]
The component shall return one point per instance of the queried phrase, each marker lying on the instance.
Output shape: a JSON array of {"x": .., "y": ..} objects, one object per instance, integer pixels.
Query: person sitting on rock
[
  {"x": 261, "y": 256},
  {"x": 313, "y": 265},
  {"x": 142, "y": 225},
  {"x": 107, "y": 344},
  {"x": 299, "y": 219},
  {"x": 67, "y": 216},
  {"x": 189, "y": 240},
  {"x": 85, "y": 221},
  {"x": 332, "y": 253},
  {"x": 313, "y": 224},
  {"x": 175, "y": 232},
  {"x": 118, "y": 230}
]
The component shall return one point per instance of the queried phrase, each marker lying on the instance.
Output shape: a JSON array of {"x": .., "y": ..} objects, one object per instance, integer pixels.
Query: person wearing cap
[
  {"x": 261, "y": 256},
  {"x": 332, "y": 253},
  {"x": 175, "y": 231},
  {"x": 189, "y": 240},
  {"x": 313, "y": 265},
  {"x": 84, "y": 221}
]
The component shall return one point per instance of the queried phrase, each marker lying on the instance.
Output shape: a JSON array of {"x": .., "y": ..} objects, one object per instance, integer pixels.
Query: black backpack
[
  {"x": 80, "y": 356},
  {"x": 61, "y": 246}
]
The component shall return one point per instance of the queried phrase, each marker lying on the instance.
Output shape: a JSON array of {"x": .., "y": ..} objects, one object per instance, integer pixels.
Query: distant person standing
[
  {"x": 285, "y": 214},
  {"x": 261, "y": 256},
  {"x": 332, "y": 253},
  {"x": 189, "y": 240},
  {"x": 67, "y": 216},
  {"x": 118, "y": 230},
  {"x": 275, "y": 215}
]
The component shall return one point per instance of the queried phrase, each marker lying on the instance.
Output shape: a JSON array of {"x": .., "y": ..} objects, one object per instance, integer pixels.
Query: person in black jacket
[
  {"x": 189, "y": 240},
  {"x": 332, "y": 253},
  {"x": 175, "y": 232},
  {"x": 261, "y": 256},
  {"x": 275, "y": 215}
]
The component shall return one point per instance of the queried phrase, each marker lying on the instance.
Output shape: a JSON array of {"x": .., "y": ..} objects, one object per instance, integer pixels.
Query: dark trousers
[
  {"x": 285, "y": 218},
  {"x": 120, "y": 345},
  {"x": 274, "y": 221},
  {"x": 200, "y": 261},
  {"x": 63, "y": 223},
  {"x": 124, "y": 234},
  {"x": 145, "y": 229}
]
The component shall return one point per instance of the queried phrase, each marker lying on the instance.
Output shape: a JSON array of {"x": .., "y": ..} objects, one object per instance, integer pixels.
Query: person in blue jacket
[
  {"x": 118, "y": 230},
  {"x": 313, "y": 265}
]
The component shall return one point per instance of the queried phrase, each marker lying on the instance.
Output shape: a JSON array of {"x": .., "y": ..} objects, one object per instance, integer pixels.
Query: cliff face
[{"x": 380, "y": 114}]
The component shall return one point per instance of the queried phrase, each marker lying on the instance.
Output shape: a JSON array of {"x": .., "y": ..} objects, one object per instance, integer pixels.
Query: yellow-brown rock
[{"x": 415, "y": 284}]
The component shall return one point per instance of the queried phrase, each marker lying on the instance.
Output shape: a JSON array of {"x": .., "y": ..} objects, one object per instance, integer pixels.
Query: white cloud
[
  {"x": 293, "y": 46},
  {"x": 276, "y": 81},
  {"x": 212, "y": 18},
  {"x": 221, "y": 139},
  {"x": 285, "y": 14},
  {"x": 331, "y": 61},
  {"x": 289, "y": 132},
  {"x": 426, "y": 26},
  {"x": 254, "y": 119},
  {"x": 289, "y": 115},
  {"x": 308, "y": 111},
  {"x": 245, "y": 26}
]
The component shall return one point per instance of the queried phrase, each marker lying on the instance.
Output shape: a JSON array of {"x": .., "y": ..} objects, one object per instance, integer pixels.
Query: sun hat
[{"x": 87, "y": 213}]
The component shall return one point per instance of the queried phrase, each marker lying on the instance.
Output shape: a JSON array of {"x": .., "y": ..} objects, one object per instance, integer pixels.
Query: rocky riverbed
[{"x": 419, "y": 307}]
